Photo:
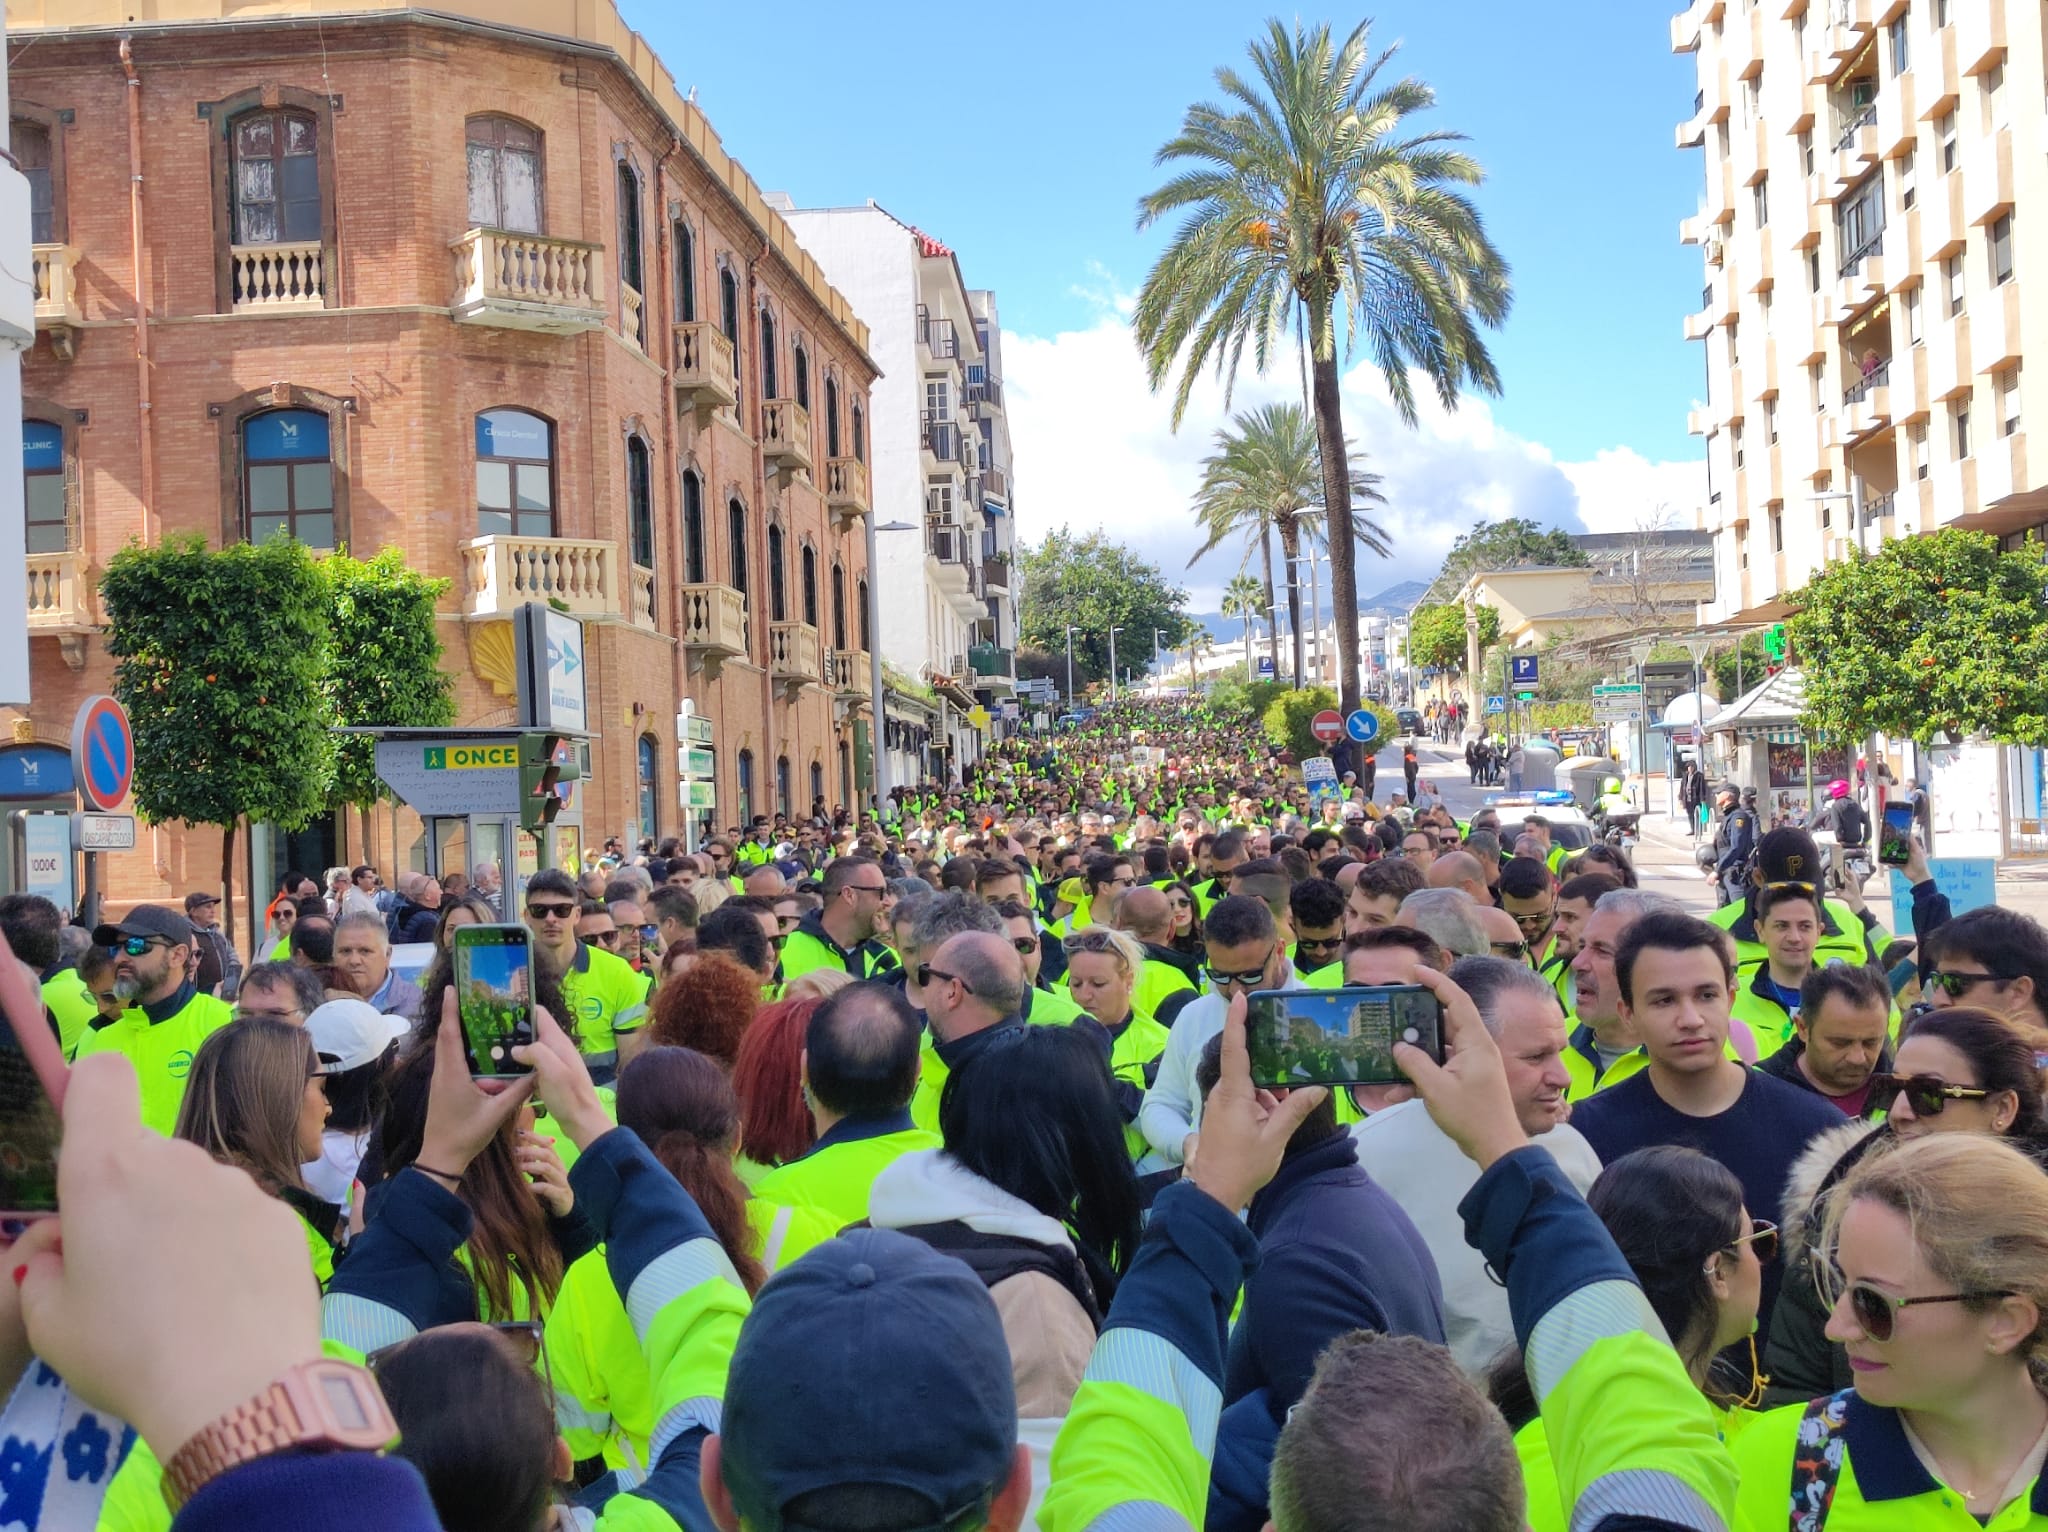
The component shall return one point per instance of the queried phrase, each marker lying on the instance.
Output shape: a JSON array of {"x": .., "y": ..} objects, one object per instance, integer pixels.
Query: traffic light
[{"x": 548, "y": 765}]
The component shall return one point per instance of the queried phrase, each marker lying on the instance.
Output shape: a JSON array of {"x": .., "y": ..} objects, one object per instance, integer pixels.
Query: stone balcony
[
  {"x": 527, "y": 282},
  {"x": 714, "y": 625},
  {"x": 279, "y": 279},
  {"x": 793, "y": 657},
  {"x": 60, "y": 601},
  {"x": 502, "y": 573},
  {"x": 53, "y": 270},
  {"x": 786, "y": 438},
  {"x": 704, "y": 375},
  {"x": 850, "y": 672},
  {"x": 846, "y": 492}
]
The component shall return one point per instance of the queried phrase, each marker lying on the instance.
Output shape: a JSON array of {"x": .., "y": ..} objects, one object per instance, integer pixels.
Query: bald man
[
  {"x": 976, "y": 991},
  {"x": 766, "y": 880},
  {"x": 1148, "y": 915},
  {"x": 1503, "y": 934},
  {"x": 1464, "y": 872}
]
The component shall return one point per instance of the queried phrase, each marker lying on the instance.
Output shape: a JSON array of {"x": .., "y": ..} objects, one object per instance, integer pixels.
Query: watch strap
[{"x": 256, "y": 1428}]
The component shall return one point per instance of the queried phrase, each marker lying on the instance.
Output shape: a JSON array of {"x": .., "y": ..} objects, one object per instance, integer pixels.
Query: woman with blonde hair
[
  {"x": 710, "y": 893},
  {"x": 1102, "y": 976},
  {"x": 1934, "y": 1264}
]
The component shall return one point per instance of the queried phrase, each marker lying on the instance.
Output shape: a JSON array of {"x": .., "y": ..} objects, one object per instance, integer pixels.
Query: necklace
[{"x": 2000, "y": 1484}]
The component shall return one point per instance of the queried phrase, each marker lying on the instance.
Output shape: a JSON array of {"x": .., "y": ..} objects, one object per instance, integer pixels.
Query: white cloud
[{"x": 1094, "y": 448}]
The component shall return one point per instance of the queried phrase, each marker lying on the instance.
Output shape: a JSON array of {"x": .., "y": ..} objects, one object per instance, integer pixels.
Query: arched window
[
  {"x": 288, "y": 477},
  {"x": 504, "y": 174},
  {"x": 782, "y": 785},
  {"x": 770, "y": 376},
  {"x": 778, "y": 603},
  {"x": 808, "y": 564},
  {"x": 683, "y": 251},
  {"x": 650, "y": 800},
  {"x": 860, "y": 440},
  {"x": 736, "y": 533},
  {"x": 276, "y": 178},
  {"x": 729, "y": 321},
  {"x": 861, "y": 605},
  {"x": 42, "y": 468},
  {"x": 30, "y": 144},
  {"x": 632, "y": 316},
  {"x": 640, "y": 501},
  {"x": 831, "y": 417},
  {"x": 817, "y": 783},
  {"x": 693, "y": 529},
  {"x": 838, "y": 605},
  {"x": 800, "y": 361},
  {"x": 515, "y": 474},
  {"x": 746, "y": 771}
]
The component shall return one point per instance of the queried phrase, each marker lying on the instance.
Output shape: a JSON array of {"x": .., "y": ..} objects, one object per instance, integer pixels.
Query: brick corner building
[{"x": 477, "y": 283}]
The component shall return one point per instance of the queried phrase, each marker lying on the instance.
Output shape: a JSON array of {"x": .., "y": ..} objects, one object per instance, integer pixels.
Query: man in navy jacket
[{"x": 1336, "y": 1254}]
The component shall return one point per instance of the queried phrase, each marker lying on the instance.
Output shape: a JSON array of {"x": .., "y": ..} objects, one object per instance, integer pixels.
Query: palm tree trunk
[
  {"x": 1290, "y": 550},
  {"x": 1272, "y": 627},
  {"x": 1343, "y": 543}
]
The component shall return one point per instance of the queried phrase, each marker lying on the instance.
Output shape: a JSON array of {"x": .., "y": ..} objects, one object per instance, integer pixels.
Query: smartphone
[
  {"x": 32, "y": 1077},
  {"x": 1339, "y": 1036},
  {"x": 1895, "y": 838},
  {"x": 494, "y": 995}
]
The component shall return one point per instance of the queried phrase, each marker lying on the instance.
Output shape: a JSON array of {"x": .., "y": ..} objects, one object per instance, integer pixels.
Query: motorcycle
[{"x": 1619, "y": 830}]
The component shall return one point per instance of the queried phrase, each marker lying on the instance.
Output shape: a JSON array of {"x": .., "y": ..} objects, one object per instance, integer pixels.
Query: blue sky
[{"x": 1023, "y": 135}]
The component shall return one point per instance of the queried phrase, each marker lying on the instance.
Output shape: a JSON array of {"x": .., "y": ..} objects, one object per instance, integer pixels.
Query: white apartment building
[
  {"x": 1876, "y": 187},
  {"x": 943, "y": 505}
]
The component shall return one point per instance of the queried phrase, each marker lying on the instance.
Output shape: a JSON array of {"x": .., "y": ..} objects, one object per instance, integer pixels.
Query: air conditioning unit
[{"x": 1713, "y": 249}]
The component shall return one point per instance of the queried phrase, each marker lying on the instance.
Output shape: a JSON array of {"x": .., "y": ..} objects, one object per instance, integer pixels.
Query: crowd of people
[{"x": 909, "y": 1173}]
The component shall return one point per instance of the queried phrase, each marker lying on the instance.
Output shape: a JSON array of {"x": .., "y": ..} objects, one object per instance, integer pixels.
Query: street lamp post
[
  {"x": 1112, "y": 662},
  {"x": 878, "y": 752},
  {"x": 1156, "y": 632},
  {"x": 1070, "y": 667}
]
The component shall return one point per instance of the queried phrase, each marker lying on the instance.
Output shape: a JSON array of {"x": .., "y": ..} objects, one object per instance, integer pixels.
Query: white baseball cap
[{"x": 348, "y": 1034}]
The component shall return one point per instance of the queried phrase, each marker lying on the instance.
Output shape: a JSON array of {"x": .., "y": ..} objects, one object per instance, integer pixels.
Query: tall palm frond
[{"x": 1305, "y": 187}]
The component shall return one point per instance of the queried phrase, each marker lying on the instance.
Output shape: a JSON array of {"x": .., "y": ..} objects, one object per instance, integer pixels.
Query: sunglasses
[
  {"x": 1762, "y": 1237},
  {"x": 1315, "y": 944},
  {"x": 135, "y": 946},
  {"x": 1877, "y": 1311},
  {"x": 1515, "y": 950},
  {"x": 104, "y": 996},
  {"x": 1794, "y": 883},
  {"x": 604, "y": 938},
  {"x": 1956, "y": 985},
  {"x": 926, "y": 973},
  {"x": 1251, "y": 980},
  {"x": 549, "y": 911},
  {"x": 1025, "y": 945},
  {"x": 1925, "y": 1094}
]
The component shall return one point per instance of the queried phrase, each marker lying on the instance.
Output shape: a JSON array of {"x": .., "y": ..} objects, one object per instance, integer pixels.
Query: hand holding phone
[
  {"x": 32, "y": 1078},
  {"x": 1339, "y": 1036}
]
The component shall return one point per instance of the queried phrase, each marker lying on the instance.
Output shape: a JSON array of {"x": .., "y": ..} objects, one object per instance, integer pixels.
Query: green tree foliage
[
  {"x": 1513, "y": 543},
  {"x": 1731, "y": 679},
  {"x": 1436, "y": 636},
  {"x": 1287, "y": 717},
  {"x": 1093, "y": 584},
  {"x": 386, "y": 661},
  {"x": 1943, "y": 632},
  {"x": 221, "y": 660},
  {"x": 1307, "y": 201}
]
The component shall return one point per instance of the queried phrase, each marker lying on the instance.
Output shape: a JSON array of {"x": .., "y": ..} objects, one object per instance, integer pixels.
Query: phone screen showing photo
[
  {"x": 494, "y": 995},
  {"x": 1894, "y": 840},
  {"x": 1339, "y": 1036},
  {"x": 29, "y": 1133}
]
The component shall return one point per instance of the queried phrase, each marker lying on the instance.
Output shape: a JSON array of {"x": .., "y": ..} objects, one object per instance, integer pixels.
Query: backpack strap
[{"x": 1817, "y": 1455}]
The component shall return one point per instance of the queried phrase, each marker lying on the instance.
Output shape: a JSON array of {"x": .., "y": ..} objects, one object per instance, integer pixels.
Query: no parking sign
[{"x": 102, "y": 753}]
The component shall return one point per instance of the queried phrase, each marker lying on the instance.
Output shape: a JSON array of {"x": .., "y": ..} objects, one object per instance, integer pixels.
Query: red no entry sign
[{"x": 1327, "y": 726}]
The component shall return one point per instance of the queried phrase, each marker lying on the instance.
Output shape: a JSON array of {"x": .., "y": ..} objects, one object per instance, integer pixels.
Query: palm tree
[
  {"x": 1198, "y": 640},
  {"x": 1303, "y": 197},
  {"x": 1266, "y": 475},
  {"x": 1243, "y": 598}
]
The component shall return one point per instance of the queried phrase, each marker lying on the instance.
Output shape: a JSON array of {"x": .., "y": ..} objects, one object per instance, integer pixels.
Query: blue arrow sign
[{"x": 1362, "y": 726}]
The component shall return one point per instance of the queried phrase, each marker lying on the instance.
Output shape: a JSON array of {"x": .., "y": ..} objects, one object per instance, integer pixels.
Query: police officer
[{"x": 1735, "y": 840}]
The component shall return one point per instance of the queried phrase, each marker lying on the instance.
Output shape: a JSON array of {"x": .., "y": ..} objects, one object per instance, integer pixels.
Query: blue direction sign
[
  {"x": 103, "y": 753},
  {"x": 1525, "y": 669},
  {"x": 1496, "y": 703},
  {"x": 1362, "y": 726}
]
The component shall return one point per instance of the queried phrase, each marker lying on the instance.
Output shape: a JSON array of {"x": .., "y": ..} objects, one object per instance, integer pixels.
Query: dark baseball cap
[
  {"x": 1788, "y": 855},
  {"x": 198, "y": 899},
  {"x": 874, "y": 1360},
  {"x": 145, "y": 920}
]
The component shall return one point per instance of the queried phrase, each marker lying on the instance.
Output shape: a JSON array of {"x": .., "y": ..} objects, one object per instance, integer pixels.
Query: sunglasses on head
[
  {"x": 549, "y": 910},
  {"x": 522, "y": 1338},
  {"x": 1925, "y": 1094}
]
